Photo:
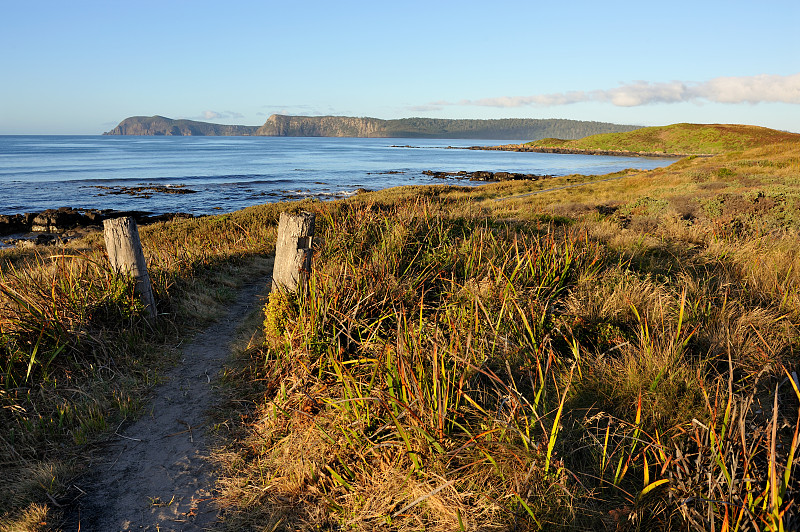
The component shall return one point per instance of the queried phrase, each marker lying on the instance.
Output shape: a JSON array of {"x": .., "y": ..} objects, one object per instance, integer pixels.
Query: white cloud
[
  {"x": 735, "y": 90},
  {"x": 643, "y": 93},
  {"x": 755, "y": 89},
  {"x": 563, "y": 98}
]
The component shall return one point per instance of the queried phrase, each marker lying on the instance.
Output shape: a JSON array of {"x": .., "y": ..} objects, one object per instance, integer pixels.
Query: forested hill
[
  {"x": 160, "y": 125},
  {"x": 345, "y": 126},
  {"x": 507, "y": 128}
]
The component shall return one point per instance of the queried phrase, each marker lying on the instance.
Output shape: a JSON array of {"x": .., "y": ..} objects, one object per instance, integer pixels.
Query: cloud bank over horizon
[{"x": 763, "y": 88}]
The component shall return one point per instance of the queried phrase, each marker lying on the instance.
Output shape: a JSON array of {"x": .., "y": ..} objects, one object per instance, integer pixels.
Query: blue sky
[{"x": 80, "y": 67}]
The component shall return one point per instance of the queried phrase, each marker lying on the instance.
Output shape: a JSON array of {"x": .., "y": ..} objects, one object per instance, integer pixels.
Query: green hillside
[{"x": 676, "y": 138}]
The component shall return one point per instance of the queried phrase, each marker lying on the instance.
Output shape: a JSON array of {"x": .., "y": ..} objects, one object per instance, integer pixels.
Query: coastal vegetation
[
  {"x": 346, "y": 126},
  {"x": 616, "y": 355},
  {"x": 510, "y": 128},
  {"x": 686, "y": 139}
]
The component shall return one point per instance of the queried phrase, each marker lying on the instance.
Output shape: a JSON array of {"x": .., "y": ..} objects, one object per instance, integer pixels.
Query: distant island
[{"x": 346, "y": 126}]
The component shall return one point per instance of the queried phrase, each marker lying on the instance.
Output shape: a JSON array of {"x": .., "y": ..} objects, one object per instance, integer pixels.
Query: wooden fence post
[
  {"x": 126, "y": 256},
  {"x": 293, "y": 250}
]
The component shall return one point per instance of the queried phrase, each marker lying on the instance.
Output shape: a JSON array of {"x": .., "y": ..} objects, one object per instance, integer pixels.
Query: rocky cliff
[
  {"x": 160, "y": 125},
  {"x": 348, "y": 126},
  {"x": 322, "y": 126},
  {"x": 510, "y": 128}
]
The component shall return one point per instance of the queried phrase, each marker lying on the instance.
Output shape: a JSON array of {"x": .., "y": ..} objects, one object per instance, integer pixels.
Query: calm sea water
[{"x": 229, "y": 173}]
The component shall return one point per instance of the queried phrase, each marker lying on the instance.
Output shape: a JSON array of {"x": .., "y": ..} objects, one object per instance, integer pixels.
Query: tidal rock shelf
[
  {"x": 578, "y": 151},
  {"x": 56, "y": 223},
  {"x": 144, "y": 191},
  {"x": 483, "y": 175}
]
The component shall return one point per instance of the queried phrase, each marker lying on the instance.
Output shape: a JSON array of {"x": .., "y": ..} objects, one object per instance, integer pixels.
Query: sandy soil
[{"x": 155, "y": 474}]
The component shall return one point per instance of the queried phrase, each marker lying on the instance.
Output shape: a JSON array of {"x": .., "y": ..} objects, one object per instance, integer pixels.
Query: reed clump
[{"x": 451, "y": 370}]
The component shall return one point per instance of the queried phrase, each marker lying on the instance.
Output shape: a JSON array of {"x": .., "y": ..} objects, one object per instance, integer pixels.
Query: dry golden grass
[
  {"x": 33, "y": 518},
  {"x": 76, "y": 355},
  {"x": 506, "y": 357},
  {"x": 693, "y": 293}
]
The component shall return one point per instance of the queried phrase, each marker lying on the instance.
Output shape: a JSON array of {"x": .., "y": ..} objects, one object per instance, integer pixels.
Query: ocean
[{"x": 206, "y": 175}]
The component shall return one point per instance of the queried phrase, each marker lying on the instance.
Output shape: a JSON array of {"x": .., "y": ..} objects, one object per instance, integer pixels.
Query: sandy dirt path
[{"x": 155, "y": 475}]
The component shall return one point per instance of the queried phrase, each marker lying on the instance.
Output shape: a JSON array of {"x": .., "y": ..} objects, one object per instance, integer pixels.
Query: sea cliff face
[
  {"x": 348, "y": 126},
  {"x": 322, "y": 126},
  {"x": 160, "y": 125},
  {"x": 508, "y": 128}
]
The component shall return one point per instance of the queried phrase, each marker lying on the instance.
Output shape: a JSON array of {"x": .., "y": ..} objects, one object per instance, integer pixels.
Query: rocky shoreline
[
  {"x": 483, "y": 175},
  {"x": 54, "y": 226},
  {"x": 581, "y": 151}
]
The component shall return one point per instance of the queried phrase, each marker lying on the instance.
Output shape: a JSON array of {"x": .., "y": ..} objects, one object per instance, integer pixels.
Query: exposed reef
[
  {"x": 144, "y": 191},
  {"x": 52, "y": 226},
  {"x": 483, "y": 175},
  {"x": 578, "y": 151}
]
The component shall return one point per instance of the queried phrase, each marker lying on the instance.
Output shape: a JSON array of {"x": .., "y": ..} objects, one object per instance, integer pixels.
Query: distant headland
[
  {"x": 161, "y": 125},
  {"x": 346, "y": 126}
]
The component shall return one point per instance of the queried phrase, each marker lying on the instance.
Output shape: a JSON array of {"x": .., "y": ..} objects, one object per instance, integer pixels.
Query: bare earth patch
[{"x": 155, "y": 475}]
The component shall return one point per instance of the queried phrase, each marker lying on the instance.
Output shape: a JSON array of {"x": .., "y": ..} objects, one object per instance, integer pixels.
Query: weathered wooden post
[
  {"x": 293, "y": 250},
  {"x": 126, "y": 256}
]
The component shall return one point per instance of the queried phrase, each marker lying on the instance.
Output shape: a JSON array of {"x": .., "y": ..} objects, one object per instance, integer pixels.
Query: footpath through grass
[
  {"x": 77, "y": 356},
  {"x": 617, "y": 356}
]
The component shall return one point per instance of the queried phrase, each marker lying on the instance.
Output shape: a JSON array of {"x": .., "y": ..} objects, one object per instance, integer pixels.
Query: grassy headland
[
  {"x": 620, "y": 355},
  {"x": 684, "y": 139}
]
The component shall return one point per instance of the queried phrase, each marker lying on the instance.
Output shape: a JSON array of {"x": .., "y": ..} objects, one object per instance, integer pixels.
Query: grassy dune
[{"x": 620, "y": 355}]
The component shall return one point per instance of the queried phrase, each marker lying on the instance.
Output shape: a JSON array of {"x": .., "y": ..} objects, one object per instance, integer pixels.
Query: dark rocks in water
[
  {"x": 65, "y": 218},
  {"x": 15, "y": 223},
  {"x": 482, "y": 175},
  {"x": 58, "y": 220},
  {"x": 145, "y": 191},
  {"x": 575, "y": 151}
]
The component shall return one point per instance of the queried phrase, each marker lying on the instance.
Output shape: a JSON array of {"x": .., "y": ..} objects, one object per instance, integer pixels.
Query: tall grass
[
  {"x": 446, "y": 370},
  {"x": 407, "y": 340},
  {"x": 77, "y": 355},
  {"x": 56, "y": 304},
  {"x": 619, "y": 356},
  {"x": 68, "y": 327}
]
